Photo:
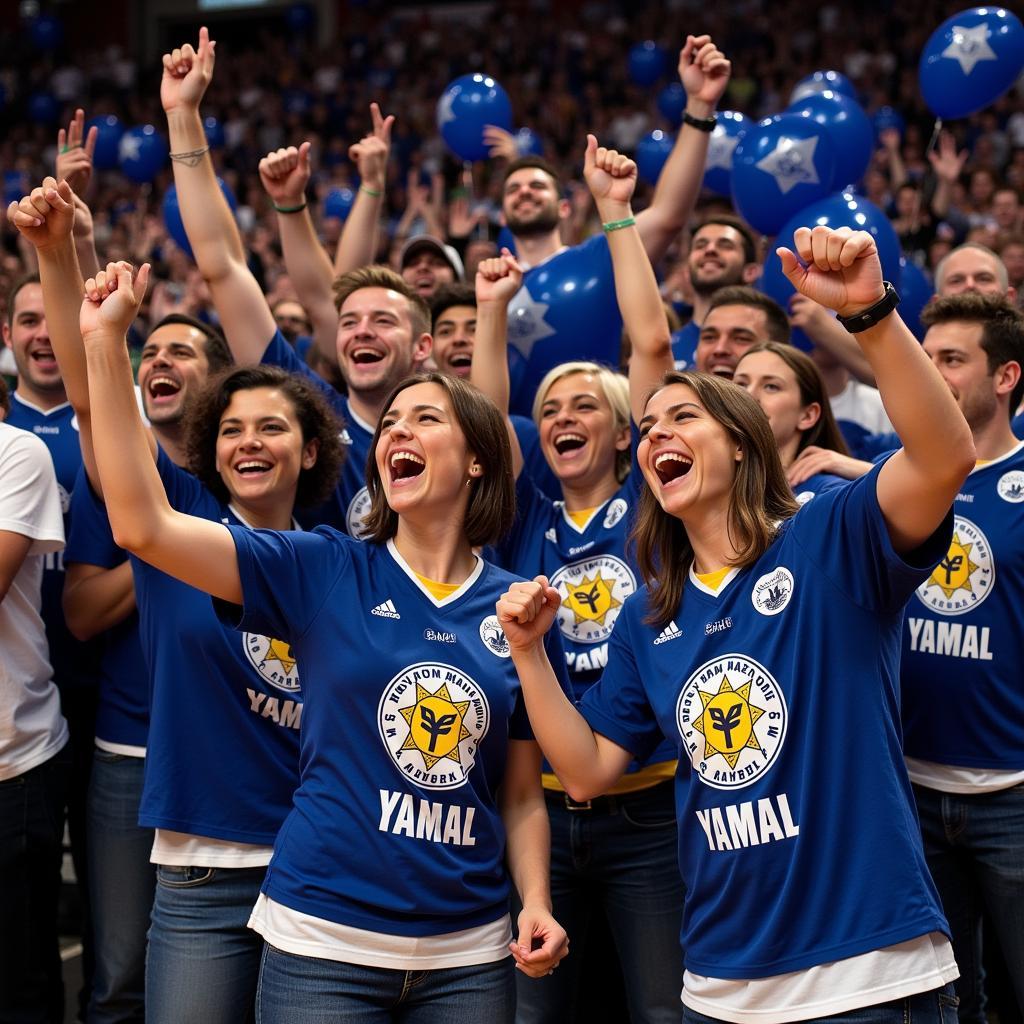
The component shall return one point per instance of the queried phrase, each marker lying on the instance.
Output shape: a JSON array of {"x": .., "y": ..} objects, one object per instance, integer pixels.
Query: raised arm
[
  {"x": 193, "y": 550},
  {"x": 358, "y": 243},
  {"x": 611, "y": 178},
  {"x": 839, "y": 269},
  {"x": 75, "y": 148},
  {"x": 704, "y": 72},
  {"x": 212, "y": 232},
  {"x": 587, "y": 763},
  {"x": 285, "y": 175},
  {"x": 497, "y": 281}
]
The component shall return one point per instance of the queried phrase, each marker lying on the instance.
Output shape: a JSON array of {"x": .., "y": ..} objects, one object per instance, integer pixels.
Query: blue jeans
[
  {"x": 935, "y": 1007},
  {"x": 203, "y": 962},
  {"x": 31, "y": 839},
  {"x": 121, "y": 884},
  {"x": 974, "y": 844},
  {"x": 620, "y": 854},
  {"x": 308, "y": 990}
]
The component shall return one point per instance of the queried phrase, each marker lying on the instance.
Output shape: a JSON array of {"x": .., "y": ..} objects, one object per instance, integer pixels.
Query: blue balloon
[
  {"x": 731, "y": 127},
  {"x": 142, "y": 154},
  {"x": 844, "y": 210},
  {"x": 172, "y": 214},
  {"x": 779, "y": 166},
  {"x": 46, "y": 32},
  {"x": 505, "y": 240},
  {"x": 43, "y": 108},
  {"x": 819, "y": 81},
  {"x": 970, "y": 60},
  {"x": 338, "y": 203},
  {"x": 16, "y": 186},
  {"x": 885, "y": 118},
  {"x": 916, "y": 291},
  {"x": 528, "y": 143},
  {"x": 565, "y": 310},
  {"x": 651, "y": 153},
  {"x": 672, "y": 103},
  {"x": 109, "y": 132},
  {"x": 214, "y": 132},
  {"x": 647, "y": 62},
  {"x": 466, "y": 106},
  {"x": 849, "y": 128}
]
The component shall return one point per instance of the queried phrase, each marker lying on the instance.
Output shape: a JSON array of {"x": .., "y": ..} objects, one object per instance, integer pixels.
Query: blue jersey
[
  {"x": 963, "y": 647},
  {"x": 410, "y": 704},
  {"x": 75, "y": 664},
  {"x": 223, "y": 754},
  {"x": 122, "y": 716},
  {"x": 535, "y": 466},
  {"x": 798, "y": 839},
  {"x": 684, "y": 346},
  {"x": 1017, "y": 425},
  {"x": 817, "y": 484}
]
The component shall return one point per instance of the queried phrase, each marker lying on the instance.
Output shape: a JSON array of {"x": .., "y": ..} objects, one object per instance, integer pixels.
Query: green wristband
[
  {"x": 617, "y": 225},
  {"x": 370, "y": 191},
  {"x": 290, "y": 209}
]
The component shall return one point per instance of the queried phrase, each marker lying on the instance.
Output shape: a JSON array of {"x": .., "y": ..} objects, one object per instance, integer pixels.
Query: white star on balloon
[
  {"x": 444, "y": 109},
  {"x": 526, "y": 323},
  {"x": 791, "y": 163},
  {"x": 129, "y": 148},
  {"x": 720, "y": 149},
  {"x": 969, "y": 46}
]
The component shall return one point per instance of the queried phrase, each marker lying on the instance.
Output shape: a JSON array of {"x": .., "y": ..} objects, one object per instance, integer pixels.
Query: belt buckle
[{"x": 577, "y": 805}]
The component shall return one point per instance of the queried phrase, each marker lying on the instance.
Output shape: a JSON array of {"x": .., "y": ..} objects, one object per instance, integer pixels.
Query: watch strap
[{"x": 873, "y": 314}]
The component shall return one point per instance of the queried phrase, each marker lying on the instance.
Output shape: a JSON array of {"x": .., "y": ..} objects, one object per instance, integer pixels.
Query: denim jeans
[
  {"x": 619, "y": 854},
  {"x": 307, "y": 990},
  {"x": 31, "y": 837},
  {"x": 202, "y": 963},
  {"x": 121, "y": 884},
  {"x": 974, "y": 844},
  {"x": 935, "y": 1007}
]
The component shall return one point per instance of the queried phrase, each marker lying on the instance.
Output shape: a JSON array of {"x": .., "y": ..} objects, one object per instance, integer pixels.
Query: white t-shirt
[
  {"x": 861, "y": 404},
  {"x": 32, "y": 729}
]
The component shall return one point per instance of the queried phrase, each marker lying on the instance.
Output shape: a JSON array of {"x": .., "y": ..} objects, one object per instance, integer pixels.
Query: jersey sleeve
[
  {"x": 843, "y": 532},
  {"x": 90, "y": 539},
  {"x": 533, "y": 517},
  {"x": 279, "y": 353},
  {"x": 617, "y": 706},
  {"x": 287, "y": 576},
  {"x": 29, "y": 499}
]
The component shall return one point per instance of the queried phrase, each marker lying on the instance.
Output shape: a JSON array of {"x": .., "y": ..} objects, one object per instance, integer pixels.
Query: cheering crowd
[{"x": 377, "y": 627}]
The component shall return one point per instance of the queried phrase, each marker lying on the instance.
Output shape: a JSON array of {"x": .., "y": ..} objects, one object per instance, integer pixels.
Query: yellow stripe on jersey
[
  {"x": 439, "y": 591},
  {"x": 648, "y": 776},
  {"x": 581, "y": 516},
  {"x": 713, "y": 580}
]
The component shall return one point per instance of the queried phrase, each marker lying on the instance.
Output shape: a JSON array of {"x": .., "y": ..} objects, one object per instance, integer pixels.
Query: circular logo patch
[
  {"x": 494, "y": 637},
  {"x": 593, "y": 590},
  {"x": 65, "y": 499},
  {"x": 432, "y": 718},
  {"x": 1011, "y": 486},
  {"x": 964, "y": 578},
  {"x": 616, "y": 510},
  {"x": 772, "y": 592},
  {"x": 803, "y": 497},
  {"x": 358, "y": 510},
  {"x": 732, "y": 717},
  {"x": 273, "y": 660}
]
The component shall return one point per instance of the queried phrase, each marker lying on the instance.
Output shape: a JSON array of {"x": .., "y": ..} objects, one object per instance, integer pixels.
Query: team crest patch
[
  {"x": 616, "y": 510},
  {"x": 773, "y": 591},
  {"x": 493, "y": 637},
  {"x": 803, "y": 497},
  {"x": 732, "y": 717},
  {"x": 273, "y": 660},
  {"x": 593, "y": 590},
  {"x": 432, "y": 719},
  {"x": 964, "y": 578},
  {"x": 1011, "y": 486},
  {"x": 358, "y": 510}
]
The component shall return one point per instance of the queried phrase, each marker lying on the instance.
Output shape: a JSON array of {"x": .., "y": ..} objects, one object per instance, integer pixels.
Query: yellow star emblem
[
  {"x": 727, "y": 721},
  {"x": 591, "y": 599},
  {"x": 435, "y": 725},
  {"x": 281, "y": 652},
  {"x": 953, "y": 573}
]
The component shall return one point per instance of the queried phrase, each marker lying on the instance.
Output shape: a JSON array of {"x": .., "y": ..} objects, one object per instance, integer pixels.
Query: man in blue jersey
[{"x": 963, "y": 703}]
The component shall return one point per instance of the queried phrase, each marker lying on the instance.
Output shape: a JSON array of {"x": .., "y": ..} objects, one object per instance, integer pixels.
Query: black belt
[{"x": 610, "y": 804}]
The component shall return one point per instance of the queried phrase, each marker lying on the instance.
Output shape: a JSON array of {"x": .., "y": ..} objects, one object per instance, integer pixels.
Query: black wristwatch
[
  {"x": 702, "y": 124},
  {"x": 873, "y": 314}
]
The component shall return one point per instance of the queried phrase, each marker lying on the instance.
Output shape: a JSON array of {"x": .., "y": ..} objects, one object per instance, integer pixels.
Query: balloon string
[{"x": 915, "y": 217}]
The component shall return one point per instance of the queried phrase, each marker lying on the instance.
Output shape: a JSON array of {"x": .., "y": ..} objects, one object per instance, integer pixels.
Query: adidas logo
[
  {"x": 670, "y": 632},
  {"x": 386, "y": 610}
]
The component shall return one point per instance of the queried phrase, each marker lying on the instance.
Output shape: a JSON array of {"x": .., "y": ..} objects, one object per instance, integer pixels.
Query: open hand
[{"x": 75, "y": 148}]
